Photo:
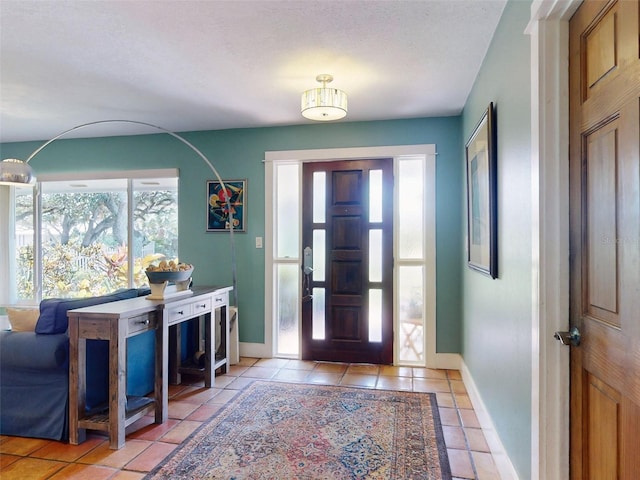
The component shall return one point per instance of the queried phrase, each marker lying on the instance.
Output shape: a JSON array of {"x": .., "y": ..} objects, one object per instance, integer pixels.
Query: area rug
[{"x": 277, "y": 431}]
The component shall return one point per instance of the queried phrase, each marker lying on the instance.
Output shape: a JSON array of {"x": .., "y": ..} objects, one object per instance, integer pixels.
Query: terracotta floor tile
[
  {"x": 331, "y": 367},
  {"x": 223, "y": 397},
  {"x": 181, "y": 431},
  {"x": 454, "y": 437},
  {"x": 271, "y": 362},
  {"x": 259, "y": 372},
  {"x": 66, "y": 452},
  {"x": 78, "y": 471},
  {"x": 240, "y": 383},
  {"x": 485, "y": 466},
  {"x": 237, "y": 370},
  {"x": 457, "y": 386},
  {"x": 154, "y": 431},
  {"x": 6, "y": 459},
  {"x": 300, "y": 365},
  {"x": 151, "y": 457},
  {"x": 197, "y": 395},
  {"x": 174, "y": 390},
  {"x": 22, "y": 445},
  {"x": 429, "y": 373},
  {"x": 181, "y": 410},
  {"x": 394, "y": 383},
  {"x": 449, "y": 416},
  {"x": 290, "y": 375},
  {"x": 247, "y": 361},
  {"x": 128, "y": 475},
  {"x": 460, "y": 462},
  {"x": 430, "y": 385},
  {"x": 476, "y": 440},
  {"x": 324, "y": 378},
  {"x": 223, "y": 380},
  {"x": 358, "y": 380},
  {"x": 463, "y": 401},
  {"x": 203, "y": 413},
  {"x": 32, "y": 469},
  {"x": 363, "y": 369},
  {"x": 391, "y": 371},
  {"x": 445, "y": 399},
  {"x": 469, "y": 418},
  {"x": 103, "y": 455}
]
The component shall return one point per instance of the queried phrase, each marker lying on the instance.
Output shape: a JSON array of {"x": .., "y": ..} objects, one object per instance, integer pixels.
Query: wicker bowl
[{"x": 171, "y": 277}]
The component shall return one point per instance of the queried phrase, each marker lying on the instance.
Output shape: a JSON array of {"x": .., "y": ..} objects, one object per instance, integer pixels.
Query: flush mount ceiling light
[{"x": 324, "y": 104}]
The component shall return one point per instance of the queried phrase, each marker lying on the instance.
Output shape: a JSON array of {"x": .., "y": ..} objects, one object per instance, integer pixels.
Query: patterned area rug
[{"x": 292, "y": 431}]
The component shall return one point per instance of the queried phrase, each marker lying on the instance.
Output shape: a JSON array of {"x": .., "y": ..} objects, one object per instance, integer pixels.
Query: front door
[
  {"x": 605, "y": 240},
  {"x": 347, "y": 312}
]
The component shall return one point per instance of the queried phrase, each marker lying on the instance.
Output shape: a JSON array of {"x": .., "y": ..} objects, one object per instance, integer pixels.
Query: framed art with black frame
[
  {"x": 482, "y": 221},
  {"x": 218, "y": 208}
]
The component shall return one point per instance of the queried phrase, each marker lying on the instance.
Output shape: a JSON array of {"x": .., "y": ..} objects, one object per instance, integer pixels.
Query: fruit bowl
[{"x": 171, "y": 277}]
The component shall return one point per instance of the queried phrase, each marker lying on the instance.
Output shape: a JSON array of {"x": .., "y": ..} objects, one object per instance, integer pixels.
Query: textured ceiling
[{"x": 202, "y": 65}]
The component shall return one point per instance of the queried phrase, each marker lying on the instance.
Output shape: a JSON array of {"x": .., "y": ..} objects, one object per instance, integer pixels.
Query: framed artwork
[
  {"x": 218, "y": 207},
  {"x": 482, "y": 222}
]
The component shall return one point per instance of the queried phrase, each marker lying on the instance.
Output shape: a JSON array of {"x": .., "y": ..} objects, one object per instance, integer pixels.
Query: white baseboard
[
  {"x": 255, "y": 350},
  {"x": 446, "y": 361},
  {"x": 503, "y": 462}
]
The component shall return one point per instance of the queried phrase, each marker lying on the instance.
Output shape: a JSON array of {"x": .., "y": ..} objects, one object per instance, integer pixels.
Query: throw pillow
[{"x": 23, "y": 319}]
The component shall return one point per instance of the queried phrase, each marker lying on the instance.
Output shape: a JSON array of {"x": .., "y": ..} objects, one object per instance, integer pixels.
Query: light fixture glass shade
[
  {"x": 324, "y": 104},
  {"x": 16, "y": 172}
]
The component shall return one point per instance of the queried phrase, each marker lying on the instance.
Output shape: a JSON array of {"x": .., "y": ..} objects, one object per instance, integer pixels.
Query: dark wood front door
[
  {"x": 347, "y": 312},
  {"x": 605, "y": 240}
]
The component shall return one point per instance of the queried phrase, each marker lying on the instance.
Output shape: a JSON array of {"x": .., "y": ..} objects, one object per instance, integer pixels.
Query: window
[{"x": 94, "y": 235}]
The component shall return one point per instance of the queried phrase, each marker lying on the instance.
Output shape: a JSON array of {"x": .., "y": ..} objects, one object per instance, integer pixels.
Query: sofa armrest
[{"x": 30, "y": 350}]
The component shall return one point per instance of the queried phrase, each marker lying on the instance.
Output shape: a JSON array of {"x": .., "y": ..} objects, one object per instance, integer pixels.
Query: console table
[{"x": 117, "y": 321}]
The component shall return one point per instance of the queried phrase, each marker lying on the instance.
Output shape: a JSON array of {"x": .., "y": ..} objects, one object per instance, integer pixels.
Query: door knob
[{"x": 572, "y": 337}]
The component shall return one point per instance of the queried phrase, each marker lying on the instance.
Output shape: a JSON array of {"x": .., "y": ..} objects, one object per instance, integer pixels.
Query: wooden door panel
[
  {"x": 601, "y": 225},
  {"x": 602, "y": 406},
  {"x": 347, "y": 286},
  {"x": 604, "y": 173}
]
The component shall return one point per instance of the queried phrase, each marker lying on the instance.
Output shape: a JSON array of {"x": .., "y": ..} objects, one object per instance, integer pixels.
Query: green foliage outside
[{"x": 84, "y": 249}]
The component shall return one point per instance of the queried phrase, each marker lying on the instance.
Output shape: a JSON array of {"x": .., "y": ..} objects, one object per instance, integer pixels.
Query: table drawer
[
  {"x": 220, "y": 300},
  {"x": 180, "y": 312},
  {"x": 148, "y": 321},
  {"x": 202, "y": 306}
]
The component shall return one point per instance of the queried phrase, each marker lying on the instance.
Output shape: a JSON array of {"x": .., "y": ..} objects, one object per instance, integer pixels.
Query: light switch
[{"x": 258, "y": 242}]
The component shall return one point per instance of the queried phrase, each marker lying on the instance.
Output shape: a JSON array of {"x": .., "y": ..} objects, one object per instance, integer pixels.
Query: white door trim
[
  {"x": 331, "y": 154},
  {"x": 549, "y": 32}
]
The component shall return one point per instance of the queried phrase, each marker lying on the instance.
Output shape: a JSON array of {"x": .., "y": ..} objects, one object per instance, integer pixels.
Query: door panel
[
  {"x": 605, "y": 239},
  {"x": 348, "y": 317}
]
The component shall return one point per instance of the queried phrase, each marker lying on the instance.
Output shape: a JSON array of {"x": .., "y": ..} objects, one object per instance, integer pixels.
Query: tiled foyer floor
[{"x": 190, "y": 404}]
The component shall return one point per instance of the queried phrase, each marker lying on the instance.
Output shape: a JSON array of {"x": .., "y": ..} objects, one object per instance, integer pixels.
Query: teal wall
[
  {"x": 238, "y": 154},
  {"x": 497, "y": 313}
]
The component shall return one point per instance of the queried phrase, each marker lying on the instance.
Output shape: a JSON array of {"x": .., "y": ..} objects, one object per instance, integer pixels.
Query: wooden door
[
  {"x": 347, "y": 312},
  {"x": 605, "y": 240}
]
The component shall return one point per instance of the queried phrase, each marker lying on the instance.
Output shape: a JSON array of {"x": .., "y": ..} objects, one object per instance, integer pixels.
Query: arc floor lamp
[{"x": 19, "y": 173}]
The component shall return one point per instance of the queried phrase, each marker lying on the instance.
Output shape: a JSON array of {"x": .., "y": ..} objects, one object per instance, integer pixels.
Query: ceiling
[{"x": 207, "y": 65}]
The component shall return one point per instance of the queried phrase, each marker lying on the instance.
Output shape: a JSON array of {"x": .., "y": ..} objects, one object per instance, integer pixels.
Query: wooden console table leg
[
  {"x": 117, "y": 384},
  {"x": 162, "y": 374},
  {"x": 77, "y": 383}
]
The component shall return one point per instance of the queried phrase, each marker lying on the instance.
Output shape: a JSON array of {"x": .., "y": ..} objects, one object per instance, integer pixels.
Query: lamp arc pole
[{"x": 184, "y": 141}]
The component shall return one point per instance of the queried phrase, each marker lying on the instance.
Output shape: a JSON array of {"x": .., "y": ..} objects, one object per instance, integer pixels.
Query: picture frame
[
  {"x": 482, "y": 221},
  {"x": 218, "y": 209}
]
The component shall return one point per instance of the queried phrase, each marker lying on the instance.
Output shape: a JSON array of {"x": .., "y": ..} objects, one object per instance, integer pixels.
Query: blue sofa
[{"x": 34, "y": 370}]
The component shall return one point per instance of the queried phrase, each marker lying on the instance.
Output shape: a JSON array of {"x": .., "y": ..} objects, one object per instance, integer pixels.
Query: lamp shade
[
  {"x": 323, "y": 103},
  {"x": 15, "y": 172}
]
